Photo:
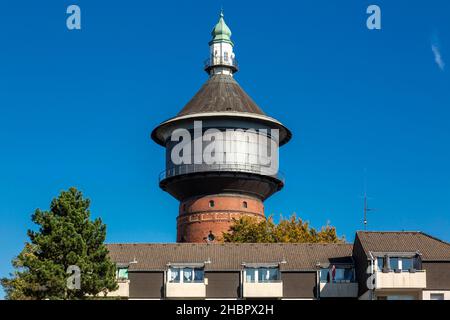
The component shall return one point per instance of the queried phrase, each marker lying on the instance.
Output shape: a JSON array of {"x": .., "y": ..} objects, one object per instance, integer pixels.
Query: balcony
[
  {"x": 122, "y": 291},
  {"x": 225, "y": 167},
  {"x": 401, "y": 280},
  {"x": 220, "y": 62},
  {"x": 193, "y": 290},
  {"x": 272, "y": 289},
  {"x": 339, "y": 290}
]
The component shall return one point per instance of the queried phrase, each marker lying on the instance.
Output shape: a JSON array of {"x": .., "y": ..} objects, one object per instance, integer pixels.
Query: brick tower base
[{"x": 204, "y": 219}]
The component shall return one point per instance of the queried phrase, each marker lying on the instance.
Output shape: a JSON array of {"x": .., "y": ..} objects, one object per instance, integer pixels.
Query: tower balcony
[
  {"x": 221, "y": 61},
  {"x": 225, "y": 167},
  {"x": 189, "y": 180}
]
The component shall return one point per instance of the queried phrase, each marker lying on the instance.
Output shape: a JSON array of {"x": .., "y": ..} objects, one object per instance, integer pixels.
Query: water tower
[{"x": 239, "y": 173}]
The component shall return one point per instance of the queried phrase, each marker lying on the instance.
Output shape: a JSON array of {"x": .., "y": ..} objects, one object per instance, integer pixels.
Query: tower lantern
[
  {"x": 221, "y": 56},
  {"x": 221, "y": 151}
]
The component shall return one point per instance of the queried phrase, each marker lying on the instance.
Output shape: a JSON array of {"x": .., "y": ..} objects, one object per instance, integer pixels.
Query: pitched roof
[
  {"x": 432, "y": 249},
  {"x": 221, "y": 93},
  {"x": 298, "y": 256}
]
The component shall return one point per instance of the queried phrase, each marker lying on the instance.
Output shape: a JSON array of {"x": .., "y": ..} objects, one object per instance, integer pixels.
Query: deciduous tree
[{"x": 293, "y": 229}]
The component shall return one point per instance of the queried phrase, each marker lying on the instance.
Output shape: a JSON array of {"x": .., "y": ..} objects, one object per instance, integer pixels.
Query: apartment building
[
  {"x": 379, "y": 265},
  {"x": 402, "y": 265}
]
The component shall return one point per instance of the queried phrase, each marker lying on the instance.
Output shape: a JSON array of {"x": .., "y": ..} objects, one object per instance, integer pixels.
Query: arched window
[
  {"x": 244, "y": 204},
  {"x": 211, "y": 203}
]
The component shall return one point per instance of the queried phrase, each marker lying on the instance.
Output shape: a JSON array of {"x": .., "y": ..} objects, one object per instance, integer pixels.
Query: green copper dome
[{"x": 221, "y": 32}]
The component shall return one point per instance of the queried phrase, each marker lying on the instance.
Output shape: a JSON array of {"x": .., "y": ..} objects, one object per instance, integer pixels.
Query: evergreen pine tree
[{"x": 66, "y": 237}]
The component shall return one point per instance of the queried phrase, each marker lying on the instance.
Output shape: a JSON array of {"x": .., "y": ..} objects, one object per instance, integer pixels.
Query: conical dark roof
[{"x": 221, "y": 93}]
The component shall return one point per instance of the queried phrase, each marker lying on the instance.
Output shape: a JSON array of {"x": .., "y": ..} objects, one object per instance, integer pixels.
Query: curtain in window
[
  {"x": 174, "y": 275},
  {"x": 188, "y": 275},
  {"x": 267, "y": 274}
]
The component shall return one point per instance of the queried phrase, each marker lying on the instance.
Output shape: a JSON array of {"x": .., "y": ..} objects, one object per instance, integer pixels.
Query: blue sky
[{"x": 77, "y": 108}]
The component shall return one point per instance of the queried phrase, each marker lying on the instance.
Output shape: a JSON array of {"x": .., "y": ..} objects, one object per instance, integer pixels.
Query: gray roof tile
[
  {"x": 432, "y": 249},
  {"x": 298, "y": 256}
]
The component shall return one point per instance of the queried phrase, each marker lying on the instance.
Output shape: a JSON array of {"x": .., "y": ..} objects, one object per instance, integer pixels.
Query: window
[
  {"x": 199, "y": 275},
  {"x": 244, "y": 204},
  {"x": 174, "y": 275},
  {"x": 324, "y": 275},
  {"x": 394, "y": 262},
  {"x": 397, "y": 263},
  {"x": 400, "y": 297},
  {"x": 380, "y": 263},
  {"x": 348, "y": 275},
  {"x": 211, "y": 237},
  {"x": 225, "y": 56},
  {"x": 122, "y": 273},
  {"x": 407, "y": 263},
  {"x": 250, "y": 275},
  {"x": 262, "y": 274},
  {"x": 437, "y": 296},
  {"x": 267, "y": 274},
  {"x": 211, "y": 203},
  {"x": 341, "y": 274},
  {"x": 186, "y": 275}
]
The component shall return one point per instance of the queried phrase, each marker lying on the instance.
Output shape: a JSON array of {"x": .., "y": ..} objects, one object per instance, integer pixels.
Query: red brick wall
[{"x": 197, "y": 217}]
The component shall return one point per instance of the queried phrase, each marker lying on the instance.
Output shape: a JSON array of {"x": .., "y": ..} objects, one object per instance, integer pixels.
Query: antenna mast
[
  {"x": 366, "y": 205},
  {"x": 366, "y": 209}
]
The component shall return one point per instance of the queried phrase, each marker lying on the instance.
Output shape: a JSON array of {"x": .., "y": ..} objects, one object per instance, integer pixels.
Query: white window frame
[
  {"x": 256, "y": 270},
  {"x": 400, "y": 263},
  {"x": 181, "y": 271}
]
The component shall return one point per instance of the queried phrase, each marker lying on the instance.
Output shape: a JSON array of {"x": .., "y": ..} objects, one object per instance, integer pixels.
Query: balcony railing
[
  {"x": 225, "y": 167},
  {"x": 221, "y": 61},
  {"x": 186, "y": 290},
  {"x": 123, "y": 289},
  {"x": 339, "y": 289},
  {"x": 273, "y": 289},
  {"x": 401, "y": 280}
]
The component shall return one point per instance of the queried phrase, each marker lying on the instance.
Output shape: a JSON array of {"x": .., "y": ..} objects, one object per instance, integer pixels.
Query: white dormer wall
[{"x": 221, "y": 53}]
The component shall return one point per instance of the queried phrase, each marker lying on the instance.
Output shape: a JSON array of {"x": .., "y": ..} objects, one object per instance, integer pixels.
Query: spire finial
[{"x": 221, "y": 11}]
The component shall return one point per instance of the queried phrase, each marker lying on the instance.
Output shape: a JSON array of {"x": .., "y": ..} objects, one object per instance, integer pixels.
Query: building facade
[{"x": 379, "y": 265}]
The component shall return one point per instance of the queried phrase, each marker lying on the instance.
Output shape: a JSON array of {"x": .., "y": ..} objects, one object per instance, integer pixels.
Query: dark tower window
[
  {"x": 211, "y": 237},
  {"x": 211, "y": 203},
  {"x": 244, "y": 204}
]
